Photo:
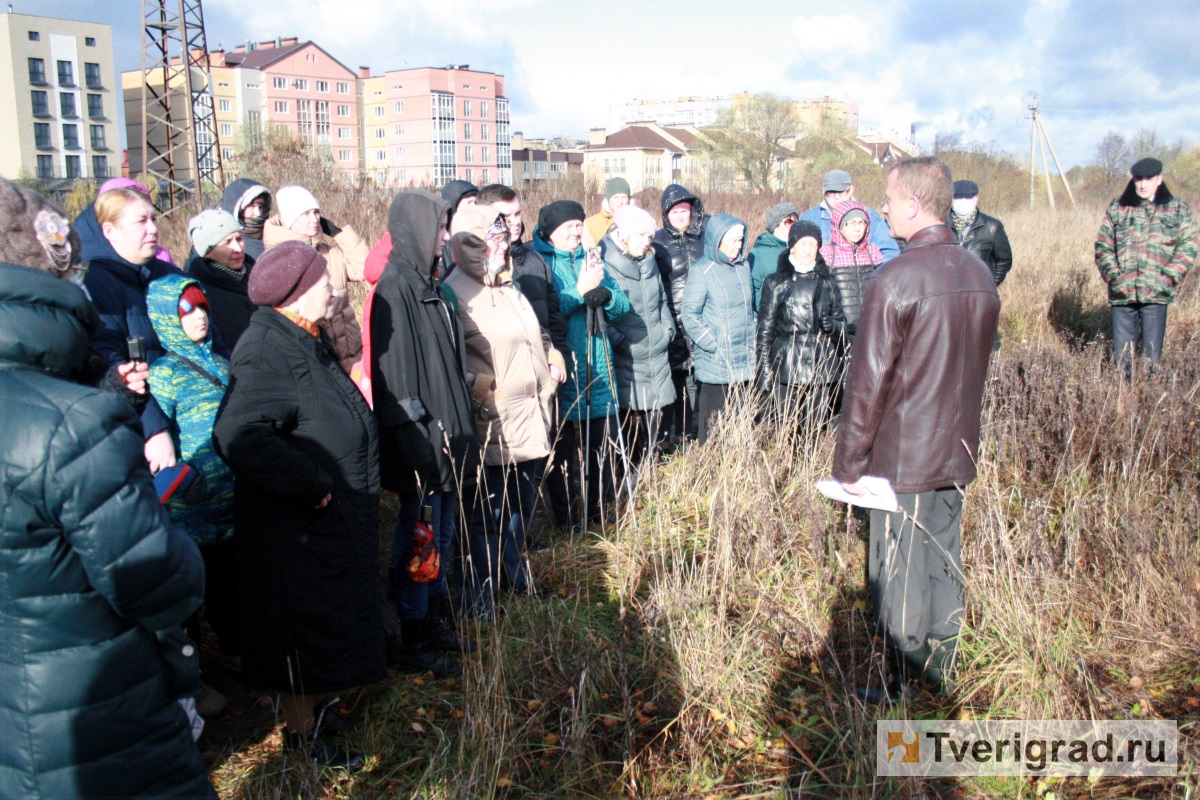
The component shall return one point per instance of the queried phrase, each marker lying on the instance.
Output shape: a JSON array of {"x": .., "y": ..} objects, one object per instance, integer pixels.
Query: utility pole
[
  {"x": 180, "y": 147},
  {"x": 1041, "y": 140}
]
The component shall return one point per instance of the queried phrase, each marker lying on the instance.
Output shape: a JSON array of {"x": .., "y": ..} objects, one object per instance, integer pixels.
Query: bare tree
[
  {"x": 750, "y": 137},
  {"x": 1112, "y": 155}
]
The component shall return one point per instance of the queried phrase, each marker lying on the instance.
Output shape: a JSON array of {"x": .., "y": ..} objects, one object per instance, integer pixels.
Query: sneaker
[
  {"x": 210, "y": 702},
  {"x": 322, "y": 752}
]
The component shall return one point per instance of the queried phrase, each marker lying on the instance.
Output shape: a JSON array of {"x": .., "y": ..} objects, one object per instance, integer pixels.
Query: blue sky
[{"x": 968, "y": 68}]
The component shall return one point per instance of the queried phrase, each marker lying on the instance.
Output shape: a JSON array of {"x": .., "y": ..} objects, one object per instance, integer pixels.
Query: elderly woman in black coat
[
  {"x": 799, "y": 343},
  {"x": 302, "y": 444}
]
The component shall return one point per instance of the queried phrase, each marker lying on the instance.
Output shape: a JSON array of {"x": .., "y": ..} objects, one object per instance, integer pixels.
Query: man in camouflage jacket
[{"x": 1146, "y": 245}]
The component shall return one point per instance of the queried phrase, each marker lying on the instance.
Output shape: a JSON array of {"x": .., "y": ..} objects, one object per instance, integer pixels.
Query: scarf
[
  {"x": 306, "y": 324},
  {"x": 962, "y": 223}
]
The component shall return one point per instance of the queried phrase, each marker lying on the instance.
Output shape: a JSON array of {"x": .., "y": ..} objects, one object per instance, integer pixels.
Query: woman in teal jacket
[
  {"x": 718, "y": 313},
  {"x": 557, "y": 239},
  {"x": 188, "y": 382}
]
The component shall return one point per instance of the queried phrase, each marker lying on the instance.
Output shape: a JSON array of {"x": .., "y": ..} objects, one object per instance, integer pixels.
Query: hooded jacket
[
  {"x": 92, "y": 569},
  {"x": 850, "y": 265},
  {"x": 190, "y": 401},
  {"x": 294, "y": 428},
  {"x": 791, "y": 348},
  {"x": 94, "y": 244},
  {"x": 764, "y": 257},
  {"x": 228, "y": 295},
  {"x": 718, "y": 310},
  {"x": 642, "y": 338},
  {"x": 508, "y": 355},
  {"x": 1145, "y": 249},
  {"x": 418, "y": 359},
  {"x": 237, "y": 196},
  {"x": 573, "y": 399},
  {"x": 452, "y": 193},
  {"x": 347, "y": 256},
  {"x": 877, "y": 229},
  {"x": 676, "y": 252}
]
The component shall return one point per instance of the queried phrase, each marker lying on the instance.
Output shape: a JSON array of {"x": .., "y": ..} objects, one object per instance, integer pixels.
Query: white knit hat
[
  {"x": 631, "y": 220},
  {"x": 293, "y": 201}
]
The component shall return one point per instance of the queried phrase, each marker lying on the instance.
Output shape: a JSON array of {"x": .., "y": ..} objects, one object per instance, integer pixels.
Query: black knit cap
[
  {"x": 801, "y": 229},
  {"x": 284, "y": 274},
  {"x": 1146, "y": 168},
  {"x": 555, "y": 214}
]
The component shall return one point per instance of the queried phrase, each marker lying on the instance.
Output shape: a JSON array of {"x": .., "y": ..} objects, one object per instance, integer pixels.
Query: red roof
[{"x": 265, "y": 57}]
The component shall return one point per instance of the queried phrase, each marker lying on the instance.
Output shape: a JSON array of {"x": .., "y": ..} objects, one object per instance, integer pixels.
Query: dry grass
[{"x": 707, "y": 646}]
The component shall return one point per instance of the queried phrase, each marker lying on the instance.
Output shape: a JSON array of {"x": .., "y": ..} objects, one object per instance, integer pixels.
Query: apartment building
[
  {"x": 431, "y": 125},
  {"x": 57, "y": 100},
  {"x": 682, "y": 111},
  {"x": 645, "y": 155}
]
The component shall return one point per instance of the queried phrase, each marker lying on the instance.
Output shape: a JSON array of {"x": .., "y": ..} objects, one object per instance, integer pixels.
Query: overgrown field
[{"x": 708, "y": 645}]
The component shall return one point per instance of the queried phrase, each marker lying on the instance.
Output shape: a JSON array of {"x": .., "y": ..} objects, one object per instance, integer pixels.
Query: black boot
[
  {"x": 322, "y": 752},
  {"x": 419, "y": 653},
  {"x": 443, "y": 635}
]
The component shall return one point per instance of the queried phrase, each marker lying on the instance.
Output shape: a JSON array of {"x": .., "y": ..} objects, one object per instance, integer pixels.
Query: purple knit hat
[{"x": 285, "y": 273}]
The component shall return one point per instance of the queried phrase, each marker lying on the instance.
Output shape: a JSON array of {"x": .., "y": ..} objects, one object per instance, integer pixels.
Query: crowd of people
[{"x": 222, "y": 434}]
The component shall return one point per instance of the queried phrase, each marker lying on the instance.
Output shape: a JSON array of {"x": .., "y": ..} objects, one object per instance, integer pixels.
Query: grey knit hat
[
  {"x": 778, "y": 213},
  {"x": 208, "y": 228}
]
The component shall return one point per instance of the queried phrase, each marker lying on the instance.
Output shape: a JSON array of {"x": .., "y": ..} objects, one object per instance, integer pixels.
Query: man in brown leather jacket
[{"x": 912, "y": 414}]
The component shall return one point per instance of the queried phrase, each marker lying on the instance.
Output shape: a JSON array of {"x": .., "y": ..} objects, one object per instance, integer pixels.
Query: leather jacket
[
  {"x": 985, "y": 238},
  {"x": 790, "y": 346},
  {"x": 914, "y": 395},
  {"x": 675, "y": 252}
]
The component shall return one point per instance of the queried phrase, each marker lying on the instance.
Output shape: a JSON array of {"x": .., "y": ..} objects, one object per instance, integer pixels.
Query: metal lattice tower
[{"x": 180, "y": 147}]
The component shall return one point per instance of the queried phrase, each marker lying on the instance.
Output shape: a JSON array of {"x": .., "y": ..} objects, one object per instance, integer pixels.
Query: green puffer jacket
[
  {"x": 572, "y": 395},
  {"x": 91, "y": 568},
  {"x": 190, "y": 401},
  {"x": 1145, "y": 249}
]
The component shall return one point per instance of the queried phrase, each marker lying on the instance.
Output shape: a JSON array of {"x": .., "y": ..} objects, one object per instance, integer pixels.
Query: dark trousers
[
  {"x": 598, "y": 438},
  {"x": 679, "y": 418},
  {"x": 412, "y": 598},
  {"x": 1138, "y": 329},
  {"x": 493, "y": 555},
  {"x": 709, "y": 403},
  {"x": 914, "y": 568},
  {"x": 802, "y": 407},
  {"x": 641, "y": 430},
  {"x": 220, "y": 598}
]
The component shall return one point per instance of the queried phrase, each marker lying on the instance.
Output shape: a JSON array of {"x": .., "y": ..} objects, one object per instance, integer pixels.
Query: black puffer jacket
[
  {"x": 675, "y": 252},
  {"x": 985, "y": 238},
  {"x": 535, "y": 280},
  {"x": 640, "y": 339},
  {"x": 418, "y": 354},
  {"x": 790, "y": 347},
  {"x": 295, "y": 428},
  {"x": 91, "y": 570},
  {"x": 227, "y": 295}
]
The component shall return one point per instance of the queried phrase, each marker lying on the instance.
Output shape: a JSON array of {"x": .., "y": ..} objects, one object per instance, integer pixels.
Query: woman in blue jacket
[{"x": 718, "y": 314}]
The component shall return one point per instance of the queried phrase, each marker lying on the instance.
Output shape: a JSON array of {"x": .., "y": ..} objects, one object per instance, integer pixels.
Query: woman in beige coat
[
  {"x": 513, "y": 371},
  {"x": 300, "y": 219}
]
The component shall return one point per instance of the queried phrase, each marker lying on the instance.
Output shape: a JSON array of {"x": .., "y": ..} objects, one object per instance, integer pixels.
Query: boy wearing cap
[
  {"x": 838, "y": 187},
  {"x": 1146, "y": 245}
]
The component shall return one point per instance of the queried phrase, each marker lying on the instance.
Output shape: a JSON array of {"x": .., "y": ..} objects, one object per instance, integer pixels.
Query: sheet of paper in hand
[{"x": 878, "y": 493}]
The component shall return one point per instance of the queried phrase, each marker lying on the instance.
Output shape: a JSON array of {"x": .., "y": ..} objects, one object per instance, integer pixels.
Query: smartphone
[
  {"x": 593, "y": 257},
  {"x": 137, "y": 348}
]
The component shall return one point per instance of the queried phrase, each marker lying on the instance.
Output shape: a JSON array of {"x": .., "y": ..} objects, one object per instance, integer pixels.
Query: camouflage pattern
[{"x": 1144, "y": 251}]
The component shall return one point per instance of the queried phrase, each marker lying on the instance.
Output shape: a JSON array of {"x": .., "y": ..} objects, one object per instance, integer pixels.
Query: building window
[
  {"x": 227, "y": 153},
  {"x": 99, "y": 166},
  {"x": 34, "y": 36},
  {"x": 621, "y": 169},
  {"x": 483, "y": 132},
  {"x": 487, "y": 177},
  {"x": 378, "y": 111},
  {"x": 469, "y": 175},
  {"x": 343, "y": 133},
  {"x": 398, "y": 107},
  {"x": 279, "y": 83},
  {"x": 223, "y": 85},
  {"x": 323, "y": 86},
  {"x": 401, "y": 175},
  {"x": 45, "y": 167},
  {"x": 91, "y": 75},
  {"x": 398, "y": 130},
  {"x": 300, "y": 84},
  {"x": 304, "y": 119},
  {"x": 381, "y": 155},
  {"x": 66, "y": 73},
  {"x": 70, "y": 137},
  {"x": 74, "y": 168},
  {"x": 483, "y": 108},
  {"x": 323, "y": 121},
  {"x": 607, "y": 167},
  {"x": 399, "y": 153},
  {"x": 97, "y": 133},
  {"x": 41, "y": 134},
  {"x": 486, "y": 153},
  {"x": 380, "y": 133},
  {"x": 343, "y": 111},
  {"x": 343, "y": 88},
  {"x": 37, "y": 71},
  {"x": 40, "y": 106},
  {"x": 343, "y": 155},
  {"x": 466, "y": 108},
  {"x": 225, "y": 106},
  {"x": 467, "y": 154},
  {"x": 226, "y": 130},
  {"x": 467, "y": 130},
  {"x": 281, "y": 106},
  {"x": 90, "y": 41}
]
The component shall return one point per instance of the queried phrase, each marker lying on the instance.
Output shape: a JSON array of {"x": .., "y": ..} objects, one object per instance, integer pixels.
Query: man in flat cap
[
  {"x": 980, "y": 234},
  {"x": 1146, "y": 245}
]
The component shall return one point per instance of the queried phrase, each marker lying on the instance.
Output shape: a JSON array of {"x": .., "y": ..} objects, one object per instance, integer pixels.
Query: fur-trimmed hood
[
  {"x": 1130, "y": 197},
  {"x": 785, "y": 267}
]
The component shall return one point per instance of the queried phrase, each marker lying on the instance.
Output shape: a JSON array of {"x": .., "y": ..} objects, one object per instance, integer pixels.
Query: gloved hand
[
  {"x": 598, "y": 297},
  {"x": 828, "y": 324},
  {"x": 328, "y": 228}
]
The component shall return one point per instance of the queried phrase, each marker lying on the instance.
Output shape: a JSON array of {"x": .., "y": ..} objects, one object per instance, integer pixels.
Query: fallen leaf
[
  {"x": 551, "y": 739},
  {"x": 1136, "y": 683},
  {"x": 1192, "y": 703},
  {"x": 418, "y": 727},
  {"x": 534, "y": 705},
  {"x": 608, "y": 720},
  {"x": 504, "y": 781}
]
